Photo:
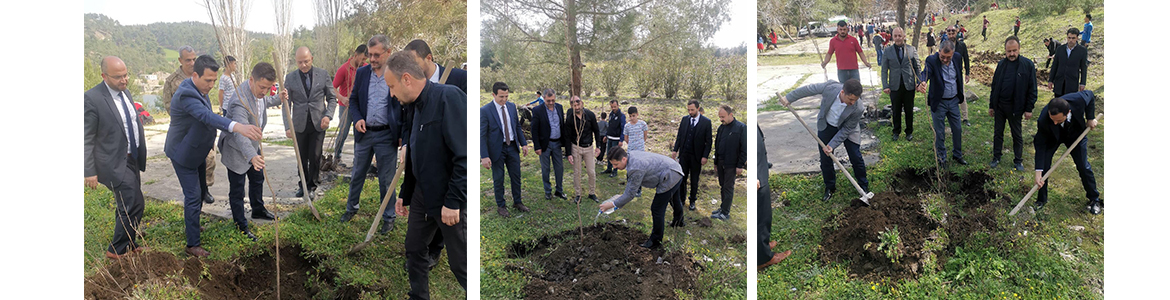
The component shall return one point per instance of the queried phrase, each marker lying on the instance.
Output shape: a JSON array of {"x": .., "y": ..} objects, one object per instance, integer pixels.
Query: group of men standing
[{"x": 400, "y": 98}]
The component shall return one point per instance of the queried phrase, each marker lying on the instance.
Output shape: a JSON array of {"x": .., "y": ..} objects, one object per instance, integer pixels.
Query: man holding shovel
[
  {"x": 838, "y": 123},
  {"x": 652, "y": 170},
  {"x": 241, "y": 156},
  {"x": 1061, "y": 122}
]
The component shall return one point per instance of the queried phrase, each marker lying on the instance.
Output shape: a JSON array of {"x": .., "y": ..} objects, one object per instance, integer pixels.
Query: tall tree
[
  {"x": 918, "y": 21},
  {"x": 282, "y": 46},
  {"x": 228, "y": 18},
  {"x": 328, "y": 32}
]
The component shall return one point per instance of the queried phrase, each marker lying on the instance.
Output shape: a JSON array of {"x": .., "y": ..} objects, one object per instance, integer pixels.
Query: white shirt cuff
[{"x": 232, "y": 127}]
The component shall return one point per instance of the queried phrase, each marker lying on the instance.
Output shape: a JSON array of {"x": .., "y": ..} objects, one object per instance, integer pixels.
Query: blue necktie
[{"x": 129, "y": 127}]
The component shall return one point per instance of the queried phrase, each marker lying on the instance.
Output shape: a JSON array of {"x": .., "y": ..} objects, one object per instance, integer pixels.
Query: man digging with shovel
[
  {"x": 652, "y": 170},
  {"x": 1060, "y": 122},
  {"x": 837, "y": 124}
]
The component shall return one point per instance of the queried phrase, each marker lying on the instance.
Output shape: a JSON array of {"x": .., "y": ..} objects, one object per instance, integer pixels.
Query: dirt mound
[
  {"x": 856, "y": 235},
  {"x": 982, "y": 73},
  {"x": 242, "y": 278},
  {"x": 986, "y": 57},
  {"x": 608, "y": 264}
]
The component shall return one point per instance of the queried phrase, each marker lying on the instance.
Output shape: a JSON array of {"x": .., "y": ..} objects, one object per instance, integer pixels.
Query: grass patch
[
  {"x": 773, "y": 102},
  {"x": 784, "y": 60}
]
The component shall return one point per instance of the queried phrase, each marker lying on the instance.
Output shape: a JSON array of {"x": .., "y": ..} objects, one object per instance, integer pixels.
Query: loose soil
[
  {"x": 608, "y": 264},
  {"x": 242, "y": 278},
  {"x": 854, "y": 235},
  {"x": 983, "y": 68}
]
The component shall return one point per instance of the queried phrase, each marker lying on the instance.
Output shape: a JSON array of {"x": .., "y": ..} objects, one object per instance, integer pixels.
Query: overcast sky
[
  {"x": 261, "y": 17},
  {"x": 738, "y": 29}
]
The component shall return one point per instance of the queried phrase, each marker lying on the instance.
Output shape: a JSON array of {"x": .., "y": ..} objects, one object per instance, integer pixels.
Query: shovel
[
  {"x": 1036, "y": 187},
  {"x": 385, "y": 200},
  {"x": 865, "y": 196}
]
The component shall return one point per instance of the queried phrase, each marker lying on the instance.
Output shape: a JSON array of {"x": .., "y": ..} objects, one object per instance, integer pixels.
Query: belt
[
  {"x": 377, "y": 128},
  {"x": 951, "y": 98},
  {"x": 554, "y": 140}
]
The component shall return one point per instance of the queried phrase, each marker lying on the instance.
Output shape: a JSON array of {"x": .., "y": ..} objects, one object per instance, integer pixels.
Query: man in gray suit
[
  {"x": 115, "y": 153},
  {"x": 837, "y": 124},
  {"x": 313, "y": 103},
  {"x": 241, "y": 155},
  {"x": 899, "y": 78},
  {"x": 652, "y": 170}
]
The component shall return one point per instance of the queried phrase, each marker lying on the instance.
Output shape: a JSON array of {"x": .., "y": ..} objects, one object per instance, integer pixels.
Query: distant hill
[{"x": 143, "y": 47}]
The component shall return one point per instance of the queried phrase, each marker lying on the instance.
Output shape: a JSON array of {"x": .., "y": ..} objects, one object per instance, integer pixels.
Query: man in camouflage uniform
[{"x": 186, "y": 67}]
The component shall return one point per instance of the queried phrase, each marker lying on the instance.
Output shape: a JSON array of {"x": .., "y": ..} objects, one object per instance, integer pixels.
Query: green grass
[
  {"x": 796, "y": 59},
  {"x": 1030, "y": 266},
  {"x": 171, "y": 55},
  {"x": 377, "y": 270},
  {"x": 773, "y": 103},
  {"x": 551, "y": 217}
]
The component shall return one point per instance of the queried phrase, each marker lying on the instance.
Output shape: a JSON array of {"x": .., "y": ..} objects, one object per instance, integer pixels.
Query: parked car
[{"x": 817, "y": 29}]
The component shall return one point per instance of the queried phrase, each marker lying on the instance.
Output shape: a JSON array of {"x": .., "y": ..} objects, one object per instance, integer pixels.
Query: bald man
[
  {"x": 115, "y": 153},
  {"x": 310, "y": 92}
]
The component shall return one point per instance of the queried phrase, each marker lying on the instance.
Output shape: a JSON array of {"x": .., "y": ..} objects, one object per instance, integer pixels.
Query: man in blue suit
[
  {"x": 500, "y": 144},
  {"x": 377, "y": 127},
  {"x": 547, "y": 119},
  {"x": 191, "y": 136},
  {"x": 435, "y": 72},
  {"x": 944, "y": 78}
]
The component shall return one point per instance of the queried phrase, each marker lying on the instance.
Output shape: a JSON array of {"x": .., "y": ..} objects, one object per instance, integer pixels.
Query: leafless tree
[
  {"x": 328, "y": 32},
  {"x": 282, "y": 44},
  {"x": 229, "y": 17}
]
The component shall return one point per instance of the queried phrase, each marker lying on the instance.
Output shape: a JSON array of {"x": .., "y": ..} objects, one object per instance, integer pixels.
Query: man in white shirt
[
  {"x": 501, "y": 142},
  {"x": 837, "y": 124},
  {"x": 227, "y": 84}
]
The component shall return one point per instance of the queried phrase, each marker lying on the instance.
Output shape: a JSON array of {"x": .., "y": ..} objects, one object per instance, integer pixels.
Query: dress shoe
[
  {"x": 967, "y": 122},
  {"x": 994, "y": 163},
  {"x": 502, "y": 211},
  {"x": 1039, "y": 205},
  {"x": 251, "y": 236},
  {"x": 909, "y": 137},
  {"x": 1019, "y": 167},
  {"x": 300, "y": 192},
  {"x": 561, "y": 195},
  {"x": 1094, "y": 207},
  {"x": 577, "y": 199},
  {"x": 141, "y": 249},
  {"x": 828, "y": 194},
  {"x": 651, "y": 244},
  {"x": 772, "y": 245},
  {"x": 613, "y": 174},
  {"x": 387, "y": 226},
  {"x": 594, "y": 198},
  {"x": 263, "y": 215},
  {"x": 716, "y": 212},
  {"x": 197, "y": 251},
  {"x": 1100, "y": 202},
  {"x": 959, "y": 160},
  {"x": 207, "y": 198},
  {"x": 776, "y": 258},
  {"x": 346, "y": 216},
  {"x": 897, "y": 136},
  {"x": 520, "y": 207},
  {"x": 113, "y": 256},
  {"x": 721, "y": 217},
  {"x": 692, "y": 206},
  {"x": 677, "y": 223},
  {"x": 547, "y": 196}
]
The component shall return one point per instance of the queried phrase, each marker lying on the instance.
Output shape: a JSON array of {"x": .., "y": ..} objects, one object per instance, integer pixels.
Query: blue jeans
[
  {"x": 878, "y": 49},
  {"x": 1081, "y": 159},
  {"x": 843, "y": 75},
  {"x": 511, "y": 161},
  {"x": 609, "y": 145},
  {"x": 855, "y": 158},
  {"x": 381, "y": 144},
  {"x": 947, "y": 110},
  {"x": 555, "y": 156}
]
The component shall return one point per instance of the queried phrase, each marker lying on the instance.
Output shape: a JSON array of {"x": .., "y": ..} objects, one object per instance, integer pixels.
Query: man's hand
[
  {"x": 360, "y": 126},
  {"x": 251, "y": 132},
  {"x": 1092, "y": 124},
  {"x": 1039, "y": 179},
  {"x": 284, "y": 95},
  {"x": 991, "y": 112},
  {"x": 450, "y": 216},
  {"x": 524, "y": 150},
  {"x": 887, "y": 91},
  {"x": 343, "y": 101},
  {"x": 325, "y": 122},
  {"x": 570, "y": 160},
  {"x": 288, "y": 133},
  {"x": 1028, "y": 116},
  {"x": 486, "y": 162},
  {"x": 783, "y": 100},
  {"x": 738, "y": 171},
  {"x": 538, "y": 152},
  {"x": 1050, "y": 85},
  {"x": 868, "y": 66},
  {"x": 401, "y": 210},
  {"x": 828, "y": 150},
  {"x": 596, "y": 151},
  {"x": 258, "y": 162},
  {"x": 1081, "y": 88},
  {"x": 824, "y": 63},
  {"x": 921, "y": 87},
  {"x": 757, "y": 181},
  {"x": 606, "y": 205},
  {"x": 703, "y": 161},
  {"x": 91, "y": 182},
  {"x": 674, "y": 155},
  {"x": 967, "y": 79}
]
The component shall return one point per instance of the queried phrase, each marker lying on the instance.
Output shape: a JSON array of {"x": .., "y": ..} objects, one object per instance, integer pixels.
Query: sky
[
  {"x": 738, "y": 29},
  {"x": 261, "y": 17}
]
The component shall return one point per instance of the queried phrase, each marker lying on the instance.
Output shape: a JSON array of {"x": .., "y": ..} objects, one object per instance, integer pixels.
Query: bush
[
  {"x": 700, "y": 75},
  {"x": 645, "y": 77},
  {"x": 731, "y": 77},
  {"x": 671, "y": 72},
  {"x": 612, "y": 77}
]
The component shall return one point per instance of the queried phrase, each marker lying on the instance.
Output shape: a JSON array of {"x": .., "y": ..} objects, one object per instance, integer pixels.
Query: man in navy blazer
[
  {"x": 436, "y": 73},
  {"x": 377, "y": 129},
  {"x": 1061, "y": 122},
  {"x": 945, "y": 79},
  {"x": 546, "y": 135},
  {"x": 191, "y": 136},
  {"x": 501, "y": 141}
]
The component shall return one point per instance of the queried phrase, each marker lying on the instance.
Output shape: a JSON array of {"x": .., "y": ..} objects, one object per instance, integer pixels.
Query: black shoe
[
  {"x": 692, "y": 206},
  {"x": 251, "y": 236},
  {"x": 994, "y": 162},
  {"x": 547, "y": 196},
  {"x": 1039, "y": 205},
  {"x": 263, "y": 214},
  {"x": 897, "y": 136},
  {"x": 300, "y": 192},
  {"x": 1101, "y": 202},
  {"x": 678, "y": 223},
  {"x": 966, "y": 122},
  {"x": 716, "y": 212},
  {"x": 577, "y": 199},
  {"x": 828, "y": 194},
  {"x": 959, "y": 160},
  {"x": 1094, "y": 207},
  {"x": 1019, "y": 167},
  {"x": 561, "y": 195},
  {"x": 721, "y": 216},
  {"x": 387, "y": 226},
  {"x": 651, "y": 244},
  {"x": 373, "y": 170},
  {"x": 207, "y": 198},
  {"x": 594, "y": 198},
  {"x": 613, "y": 174},
  {"x": 346, "y": 216},
  {"x": 909, "y": 137}
]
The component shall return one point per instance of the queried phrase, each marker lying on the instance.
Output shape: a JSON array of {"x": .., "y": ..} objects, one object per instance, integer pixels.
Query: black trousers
[
  {"x": 855, "y": 158},
  {"x": 1003, "y": 116},
  {"x": 420, "y": 231},
  {"x": 310, "y": 141},
  {"x": 658, "y": 209},
  {"x": 763, "y": 223},
  {"x": 511, "y": 161},
  {"x": 236, "y": 194},
  {"x": 726, "y": 176},
  {"x": 692, "y": 165},
  {"x": 1080, "y": 157},
  {"x": 128, "y": 206},
  {"x": 903, "y": 102}
]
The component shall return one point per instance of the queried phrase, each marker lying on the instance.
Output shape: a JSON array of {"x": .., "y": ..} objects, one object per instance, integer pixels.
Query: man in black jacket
[
  {"x": 614, "y": 130},
  {"x": 1071, "y": 63},
  {"x": 1013, "y": 93},
  {"x": 436, "y": 170},
  {"x": 730, "y": 157},
  {"x": 547, "y": 120},
  {"x": 764, "y": 257},
  {"x": 1061, "y": 122},
  {"x": 693, "y": 140},
  {"x": 580, "y": 132}
]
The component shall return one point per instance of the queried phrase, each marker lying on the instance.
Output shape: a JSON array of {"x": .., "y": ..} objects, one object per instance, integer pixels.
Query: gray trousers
[
  {"x": 555, "y": 157},
  {"x": 948, "y": 110}
]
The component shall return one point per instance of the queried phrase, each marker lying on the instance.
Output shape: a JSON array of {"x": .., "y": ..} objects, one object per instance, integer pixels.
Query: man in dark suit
[
  {"x": 547, "y": 119},
  {"x": 436, "y": 73},
  {"x": 1061, "y": 122},
  {"x": 500, "y": 143},
  {"x": 693, "y": 140},
  {"x": 377, "y": 130},
  {"x": 838, "y": 123},
  {"x": 942, "y": 74},
  {"x": 241, "y": 156},
  {"x": 1013, "y": 94},
  {"x": 581, "y": 132},
  {"x": 115, "y": 153},
  {"x": 730, "y": 157},
  {"x": 313, "y": 104},
  {"x": 899, "y": 77},
  {"x": 191, "y": 136},
  {"x": 1070, "y": 67},
  {"x": 765, "y": 257},
  {"x": 436, "y": 177}
]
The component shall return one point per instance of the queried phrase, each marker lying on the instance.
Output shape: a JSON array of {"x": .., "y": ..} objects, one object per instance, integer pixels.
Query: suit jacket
[
  {"x": 491, "y": 133},
  {"x": 933, "y": 73},
  {"x": 1050, "y": 136},
  {"x": 702, "y": 140},
  {"x": 850, "y": 117},
  {"x": 731, "y": 145},
  {"x": 235, "y": 149},
  {"x": 192, "y": 131},
  {"x": 965, "y": 58},
  {"x": 312, "y": 105},
  {"x": 1024, "y": 96},
  {"x": 541, "y": 129},
  {"x": 1066, "y": 69},
  {"x": 589, "y": 131},
  {"x": 457, "y": 78},
  {"x": 359, "y": 105},
  {"x": 105, "y": 138},
  {"x": 437, "y": 153},
  {"x": 904, "y": 73},
  {"x": 651, "y": 170}
]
